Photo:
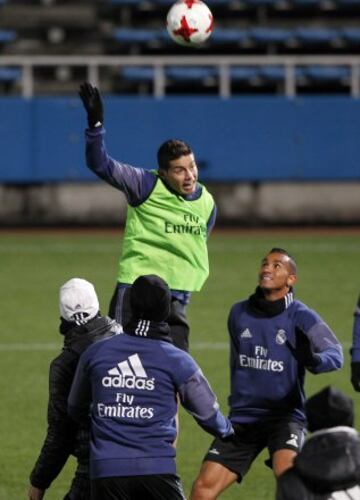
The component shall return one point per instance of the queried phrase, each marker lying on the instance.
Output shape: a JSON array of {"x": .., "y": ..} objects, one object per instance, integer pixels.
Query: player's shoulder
[
  {"x": 179, "y": 364},
  {"x": 301, "y": 311},
  {"x": 171, "y": 351},
  {"x": 301, "y": 307},
  {"x": 63, "y": 365},
  {"x": 236, "y": 313},
  {"x": 204, "y": 193},
  {"x": 154, "y": 174},
  {"x": 99, "y": 345},
  {"x": 62, "y": 359},
  {"x": 238, "y": 307},
  {"x": 357, "y": 307},
  {"x": 177, "y": 357}
]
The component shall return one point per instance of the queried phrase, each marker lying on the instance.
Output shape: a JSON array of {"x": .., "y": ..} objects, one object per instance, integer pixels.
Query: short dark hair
[
  {"x": 284, "y": 252},
  {"x": 171, "y": 150}
]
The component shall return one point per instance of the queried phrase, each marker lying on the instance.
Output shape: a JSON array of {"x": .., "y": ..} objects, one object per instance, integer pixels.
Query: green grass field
[{"x": 34, "y": 265}]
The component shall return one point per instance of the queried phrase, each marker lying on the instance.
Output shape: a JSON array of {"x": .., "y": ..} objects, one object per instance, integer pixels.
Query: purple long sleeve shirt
[{"x": 131, "y": 383}]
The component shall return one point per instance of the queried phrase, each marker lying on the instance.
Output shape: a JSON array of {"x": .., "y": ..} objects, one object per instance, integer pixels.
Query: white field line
[{"x": 53, "y": 346}]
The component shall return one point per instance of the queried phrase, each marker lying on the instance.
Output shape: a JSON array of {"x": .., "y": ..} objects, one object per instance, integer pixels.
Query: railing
[{"x": 223, "y": 63}]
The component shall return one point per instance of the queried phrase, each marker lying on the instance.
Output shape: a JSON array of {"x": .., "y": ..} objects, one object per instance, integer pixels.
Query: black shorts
[
  {"x": 155, "y": 487},
  {"x": 120, "y": 310},
  {"x": 238, "y": 453}
]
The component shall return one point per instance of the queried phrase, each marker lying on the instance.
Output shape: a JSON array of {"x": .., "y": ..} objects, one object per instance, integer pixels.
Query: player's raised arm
[{"x": 135, "y": 183}]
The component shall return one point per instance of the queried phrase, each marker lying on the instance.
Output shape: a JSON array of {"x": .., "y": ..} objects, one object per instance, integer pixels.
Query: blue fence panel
[
  {"x": 16, "y": 140},
  {"x": 60, "y": 140},
  {"x": 243, "y": 138}
]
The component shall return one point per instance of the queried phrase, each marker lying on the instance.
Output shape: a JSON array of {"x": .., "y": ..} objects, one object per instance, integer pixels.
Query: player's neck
[{"x": 273, "y": 295}]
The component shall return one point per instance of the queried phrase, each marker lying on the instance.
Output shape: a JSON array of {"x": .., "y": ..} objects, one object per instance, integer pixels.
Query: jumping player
[
  {"x": 170, "y": 215},
  {"x": 273, "y": 339}
]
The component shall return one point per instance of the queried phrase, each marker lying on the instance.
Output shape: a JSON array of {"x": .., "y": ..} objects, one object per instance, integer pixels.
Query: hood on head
[
  {"x": 78, "y": 301},
  {"x": 330, "y": 459},
  {"x": 150, "y": 298}
]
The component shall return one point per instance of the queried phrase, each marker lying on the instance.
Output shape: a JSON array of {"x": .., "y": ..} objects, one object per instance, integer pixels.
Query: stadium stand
[
  {"x": 9, "y": 78},
  {"x": 139, "y": 79},
  {"x": 7, "y": 36},
  {"x": 198, "y": 79},
  {"x": 131, "y": 28}
]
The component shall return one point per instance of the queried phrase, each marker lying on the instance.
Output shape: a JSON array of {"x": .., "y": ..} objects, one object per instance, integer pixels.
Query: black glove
[
  {"x": 92, "y": 101},
  {"x": 302, "y": 351},
  {"x": 355, "y": 375}
]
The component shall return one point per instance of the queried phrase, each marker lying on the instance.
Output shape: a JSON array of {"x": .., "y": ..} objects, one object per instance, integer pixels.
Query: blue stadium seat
[
  {"x": 350, "y": 35},
  {"x": 7, "y": 36},
  {"x": 273, "y": 74},
  {"x": 161, "y": 3},
  {"x": 243, "y": 73},
  {"x": 348, "y": 3},
  {"x": 306, "y": 3},
  {"x": 191, "y": 73},
  {"x": 224, "y": 3},
  {"x": 124, "y": 2},
  {"x": 269, "y": 35},
  {"x": 259, "y": 3},
  {"x": 9, "y": 75},
  {"x": 137, "y": 73},
  {"x": 224, "y": 36},
  {"x": 315, "y": 36},
  {"x": 327, "y": 73},
  {"x": 135, "y": 35}
]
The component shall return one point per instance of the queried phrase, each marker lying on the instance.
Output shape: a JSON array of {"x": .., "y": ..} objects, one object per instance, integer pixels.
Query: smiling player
[
  {"x": 169, "y": 217},
  {"x": 273, "y": 339}
]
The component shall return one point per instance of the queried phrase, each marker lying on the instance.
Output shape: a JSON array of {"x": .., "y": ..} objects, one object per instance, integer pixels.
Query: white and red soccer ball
[{"x": 189, "y": 22}]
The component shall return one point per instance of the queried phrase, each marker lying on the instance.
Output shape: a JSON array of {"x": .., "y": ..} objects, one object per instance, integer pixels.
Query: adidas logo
[
  {"x": 142, "y": 328},
  {"x": 293, "y": 440},
  {"x": 214, "y": 451},
  {"x": 132, "y": 366},
  {"x": 246, "y": 334},
  {"x": 130, "y": 374}
]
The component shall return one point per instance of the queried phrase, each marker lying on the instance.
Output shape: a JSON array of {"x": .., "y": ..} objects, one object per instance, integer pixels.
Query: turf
[{"x": 34, "y": 265}]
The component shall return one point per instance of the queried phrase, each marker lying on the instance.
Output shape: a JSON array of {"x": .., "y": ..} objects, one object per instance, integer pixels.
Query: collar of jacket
[
  {"x": 266, "y": 308},
  {"x": 149, "y": 329},
  {"x": 78, "y": 337}
]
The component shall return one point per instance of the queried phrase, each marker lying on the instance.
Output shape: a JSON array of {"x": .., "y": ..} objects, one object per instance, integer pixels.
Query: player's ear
[{"x": 291, "y": 280}]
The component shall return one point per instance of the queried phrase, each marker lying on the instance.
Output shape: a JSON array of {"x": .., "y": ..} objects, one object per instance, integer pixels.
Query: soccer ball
[{"x": 189, "y": 22}]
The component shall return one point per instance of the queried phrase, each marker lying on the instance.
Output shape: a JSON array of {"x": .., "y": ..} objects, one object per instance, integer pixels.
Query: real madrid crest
[{"x": 280, "y": 337}]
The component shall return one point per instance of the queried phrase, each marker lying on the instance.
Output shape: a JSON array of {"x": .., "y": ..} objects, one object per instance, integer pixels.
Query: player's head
[
  {"x": 150, "y": 298},
  {"x": 329, "y": 407},
  {"x": 78, "y": 301},
  {"x": 277, "y": 272},
  {"x": 177, "y": 166},
  {"x": 328, "y": 464}
]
